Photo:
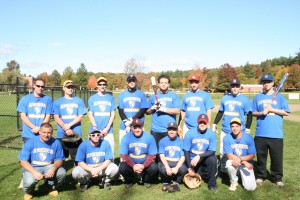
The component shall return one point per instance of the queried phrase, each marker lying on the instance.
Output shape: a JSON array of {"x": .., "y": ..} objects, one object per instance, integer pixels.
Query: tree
[
  {"x": 43, "y": 76},
  {"x": 92, "y": 82},
  {"x": 196, "y": 70},
  {"x": 225, "y": 75},
  {"x": 249, "y": 70},
  {"x": 81, "y": 77},
  {"x": 133, "y": 66},
  {"x": 293, "y": 80},
  {"x": 68, "y": 74},
  {"x": 54, "y": 78}
]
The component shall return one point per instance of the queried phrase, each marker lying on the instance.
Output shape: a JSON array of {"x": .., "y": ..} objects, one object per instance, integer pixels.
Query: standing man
[
  {"x": 199, "y": 146},
  {"x": 42, "y": 158},
  {"x": 94, "y": 161},
  {"x": 132, "y": 103},
  {"x": 233, "y": 105},
  {"x": 194, "y": 103},
  {"x": 165, "y": 110},
  {"x": 34, "y": 110},
  {"x": 269, "y": 131},
  {"x": 68, "y": 113},
  {"x": 101, "y": 112},
  {"x": 138, "y": 152},
  {"x": 240, "y": 151},
  {"x": 171, "y": 165}
]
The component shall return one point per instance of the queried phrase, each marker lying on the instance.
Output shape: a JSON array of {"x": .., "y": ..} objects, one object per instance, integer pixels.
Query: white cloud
[{"x": 7, "y": 50}]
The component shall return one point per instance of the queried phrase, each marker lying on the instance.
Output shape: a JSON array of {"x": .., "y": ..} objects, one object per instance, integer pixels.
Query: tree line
[{"x": 216, "y": 79}]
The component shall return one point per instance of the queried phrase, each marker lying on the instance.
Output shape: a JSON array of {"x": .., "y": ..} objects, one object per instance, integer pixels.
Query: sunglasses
[
  {"x": 197, "y": 82},
  {"x": 94, "y": 135},
  {"x": 131, "y": 80},
  {"x": 40, "y": 86},
  {"x": 70, "y": 87},
  {"x": 102, "y": 84}
]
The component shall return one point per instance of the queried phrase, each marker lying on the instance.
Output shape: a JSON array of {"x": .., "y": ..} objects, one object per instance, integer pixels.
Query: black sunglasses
[
  {"x": 102, "y": 84},
  {"x": 131, "y": 80},
  {"x": 94, "y": 135},
  {"x": 40, "y": 86},
  {"x": 70, "y": 87}
]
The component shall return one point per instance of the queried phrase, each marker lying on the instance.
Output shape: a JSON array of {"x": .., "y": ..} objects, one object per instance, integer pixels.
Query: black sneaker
[
  {"x": 107, "y": 186},
  {"x": 147, "y": 185},
  {"x": 83, "y": 187},
  {"x": 128, "y": 185},
  {"x": 175, "y": 187},
  {"x": 167, "y": 188},
  {"x": 213, "y": 189}
]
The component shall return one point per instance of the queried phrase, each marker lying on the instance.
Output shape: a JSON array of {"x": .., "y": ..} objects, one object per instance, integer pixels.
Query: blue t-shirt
[
  {"x": 94, "y": 156},
  {"x": 102, "y": 107},
  {"x": 269, "y": 126},
  {"x": 40, "y": 153},
  {"x": 197, "y": 143},
  {"x": 241, "y": 146},
  {"x": 172, "y": 149},
  {"x": 138, "y": 148},
  {"x": 131, "y": 103},
  {"x": 35, "y": 109},
  {"x": 68, "y": 110},
  {"x": 160, "y": 120},
  {"x": 234, "y": 106},
  {"x": 195, "y": 104}
]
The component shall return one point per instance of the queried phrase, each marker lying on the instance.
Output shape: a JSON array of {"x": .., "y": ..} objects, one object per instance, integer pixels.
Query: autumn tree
[
  {"x": 92, "y": 82},
  {"x": 68, "y": 74},
  {"x": 196, "y": 70},
  {"x": 43, "y": 76},
  {"x": 54, "y": 78},
  {"x": 10, "y": 74},
  {"x": 249, "y": 71},
  {"x": 293, "y": 80},
  {"x": 226, "y": 73}
]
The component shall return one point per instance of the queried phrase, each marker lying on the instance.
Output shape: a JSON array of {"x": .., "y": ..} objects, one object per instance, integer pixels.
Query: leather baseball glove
[
  {"x": 192, "y": 182},
  {"x": 73, "y": 138}
]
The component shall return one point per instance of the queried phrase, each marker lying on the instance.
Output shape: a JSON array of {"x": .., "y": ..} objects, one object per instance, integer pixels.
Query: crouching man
[
  {"x": 42, "y": 157},
  {"x": 94, "y": 162},
  {"x": 240, "y": 150}
]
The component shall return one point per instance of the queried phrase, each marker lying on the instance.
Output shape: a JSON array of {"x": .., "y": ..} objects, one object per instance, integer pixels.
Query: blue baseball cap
[{"x": 267, "y": 77}]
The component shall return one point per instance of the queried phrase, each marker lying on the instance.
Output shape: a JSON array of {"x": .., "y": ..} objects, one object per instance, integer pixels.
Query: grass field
[{"x": 10, "y": 174}]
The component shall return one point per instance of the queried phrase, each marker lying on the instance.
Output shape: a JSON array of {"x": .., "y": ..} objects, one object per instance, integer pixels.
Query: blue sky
[{"x": 162, "y": 34}]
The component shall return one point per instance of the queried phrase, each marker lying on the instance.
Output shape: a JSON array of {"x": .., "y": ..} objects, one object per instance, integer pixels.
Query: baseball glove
[
  {"x": 192, "y": 182},
  {"x": 73, "y": 138}
]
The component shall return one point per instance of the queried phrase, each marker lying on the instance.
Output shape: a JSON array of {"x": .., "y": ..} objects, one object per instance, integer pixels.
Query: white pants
[
  {"x": 121, "y": 135},
  {"x": 82, "y": 176},
  {"x": 110, "y": 139},
  {"x": 222, "y": 135},
  {"x": 184, "y": 130},
  {"x": 248, "y": 177}
]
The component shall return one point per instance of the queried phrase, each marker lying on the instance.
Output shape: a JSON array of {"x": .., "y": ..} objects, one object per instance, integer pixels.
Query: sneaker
[
  {"x": 233, "y": 186},
  {"x": 280, "y": 184},
  {"x": 175, "y": 187},
  {"x": 83, "y": 187},
  {"x": 27, "y": 196},
  {"x": 213, "y": 189},
  {"x": 128, "y": 185},
  {"x": 167, "y": 188},
  {"x": 107, "y": 186},
  {"x": 21, "y": 185},
  {"x": 121, "y": 178},
  {"x": 147, "y": 185},
  {"x": 53, "y": 193},
  {"x": 259, "y": 181}
]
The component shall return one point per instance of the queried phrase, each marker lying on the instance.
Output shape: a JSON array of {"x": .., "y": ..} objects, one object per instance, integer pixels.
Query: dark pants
[
  {"x": 273, "y": 146},
  {"x": 178, "y": 177},
  {"x": 158, "y": 136},
  {"x": 70, "y": 148},
  {"x": 211, "y": 167},
  {"x": 148, "y": 175}
]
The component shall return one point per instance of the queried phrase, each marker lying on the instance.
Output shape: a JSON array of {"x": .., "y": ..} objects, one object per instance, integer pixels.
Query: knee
[
  {"x": 28, "y": 180},
  {"x": 75, "y": 173},
  {"x": 61, "y": 172}
]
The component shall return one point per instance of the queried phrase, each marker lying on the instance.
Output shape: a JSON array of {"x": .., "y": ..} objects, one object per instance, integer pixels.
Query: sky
[{"x": 161, "y": 34}]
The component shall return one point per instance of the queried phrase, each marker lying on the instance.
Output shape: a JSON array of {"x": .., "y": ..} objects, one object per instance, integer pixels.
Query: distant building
[
  {"x": 246, "y": 88},
  {"x": 29, "y": 80}
]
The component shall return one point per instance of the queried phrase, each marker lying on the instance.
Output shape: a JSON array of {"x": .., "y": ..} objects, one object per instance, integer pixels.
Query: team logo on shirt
[
  {"x": 131, "y": 103},
  {"x": 231, "y": 107},
  {"x": 192, "y": 103},
  {"x": 238, "y": 151},
  {"x": 199, "y": 146},
  {"x": 37, "y": 109},
  {"x": 102, "y": 107},
  {"x": 95, "y": 159},
  {"x": 137, "y": 150},
  {"x": 42, "y": 156},
  {"x": 163, "y": 104},
  {"x": 171, "y": 153},
  {"x": 70, "y": 111}
]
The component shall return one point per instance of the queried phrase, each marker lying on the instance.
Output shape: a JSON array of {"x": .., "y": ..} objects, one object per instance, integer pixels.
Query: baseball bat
[
  {"x": 154, "y": 88},
  {"x": 279, "y": 86}
]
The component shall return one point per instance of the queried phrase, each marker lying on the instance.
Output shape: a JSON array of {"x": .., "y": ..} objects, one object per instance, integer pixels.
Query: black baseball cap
[
  {"x": 235, "y": 82},
  {"x": 172, "y": 125},
  {"x": 137, "y": 122},
  {"x": 131, "y": 77}
]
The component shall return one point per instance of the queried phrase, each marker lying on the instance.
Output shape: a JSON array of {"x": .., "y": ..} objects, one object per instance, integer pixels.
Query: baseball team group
[{"x": 168, "y": 153}]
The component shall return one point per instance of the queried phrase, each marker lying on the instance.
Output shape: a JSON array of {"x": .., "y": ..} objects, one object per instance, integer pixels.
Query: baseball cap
[
  {"x": 101, "y": 79},
  {"x": 136, "y": 122},
  {"x": 68, "y": 83},
  {"x": 194, "y": 78},
  {"x": 92, "y": 130},
  {"x": 235, "y": 120},
  {"x": 131, "y": 77},
  {"x": 267, "y": 77},
  {"x": 172, "y": 125},
  {"x": 235, "y": 82},
  {"x": 202, "y": 118}
]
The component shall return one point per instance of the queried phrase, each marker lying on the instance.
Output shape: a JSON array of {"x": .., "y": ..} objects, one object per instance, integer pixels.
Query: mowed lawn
[{"x": 11, "y": 174}]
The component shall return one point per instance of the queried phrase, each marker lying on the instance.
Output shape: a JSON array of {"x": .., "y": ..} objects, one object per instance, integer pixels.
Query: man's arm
[
  {"x": 208, "y": 113},
  {"x": 25, "y": 119},
  {"x": 57, "y": 164},
  {"x": 28, "y": 167},
  {"x": 92, "y": 119}
]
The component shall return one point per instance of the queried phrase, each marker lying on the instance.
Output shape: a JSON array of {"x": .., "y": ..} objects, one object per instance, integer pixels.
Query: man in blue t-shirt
[
  {"x": 41, "y": 158},
  {"x": 269, "y": 131},
  {"x": 138, "y": 152},
  {"x": 68, "y": 113},
  {"x": 240, "y": 151},
  {"x": 94, "y": 162}
]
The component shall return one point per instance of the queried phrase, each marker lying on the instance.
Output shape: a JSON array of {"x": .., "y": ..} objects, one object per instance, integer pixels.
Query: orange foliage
[{"x": 92, "y": 82}]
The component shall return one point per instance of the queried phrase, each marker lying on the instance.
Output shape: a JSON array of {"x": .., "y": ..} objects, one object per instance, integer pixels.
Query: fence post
[{"x": 18, "y": 99}]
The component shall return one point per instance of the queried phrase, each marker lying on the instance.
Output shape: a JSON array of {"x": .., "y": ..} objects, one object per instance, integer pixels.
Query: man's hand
[
  {"x": 50, "y": 173},
  {"x": 35, "y": 129},
  {"x": 38, "y": 176},
  {"x": 191, "y": 171},
  {"x": 215, "y": 128},
  {"x": 248, "y": 165},
  {"x": 247, "y": 130},
  {"x": 127, "y": 122},
  {"x": 195, "y": 160},
  {"x": 138, "y": 168},
  {"x": 169, "y": 171},
  {"x": 174, "y": 170},
  {"x": 162, "y": 109},
  {"x": 69, "y": 132}
]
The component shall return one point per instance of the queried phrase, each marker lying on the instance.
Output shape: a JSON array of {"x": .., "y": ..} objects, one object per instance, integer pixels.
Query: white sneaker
[
  {"x": 259, "y": 181},
  {"x": 233, "y": 186},
  {"x": 280, "y": 184},
  {"x": 21, "y": 185}
]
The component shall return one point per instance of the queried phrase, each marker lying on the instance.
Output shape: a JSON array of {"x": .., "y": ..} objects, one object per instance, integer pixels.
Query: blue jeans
[{"x": 29, "y": 181}]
